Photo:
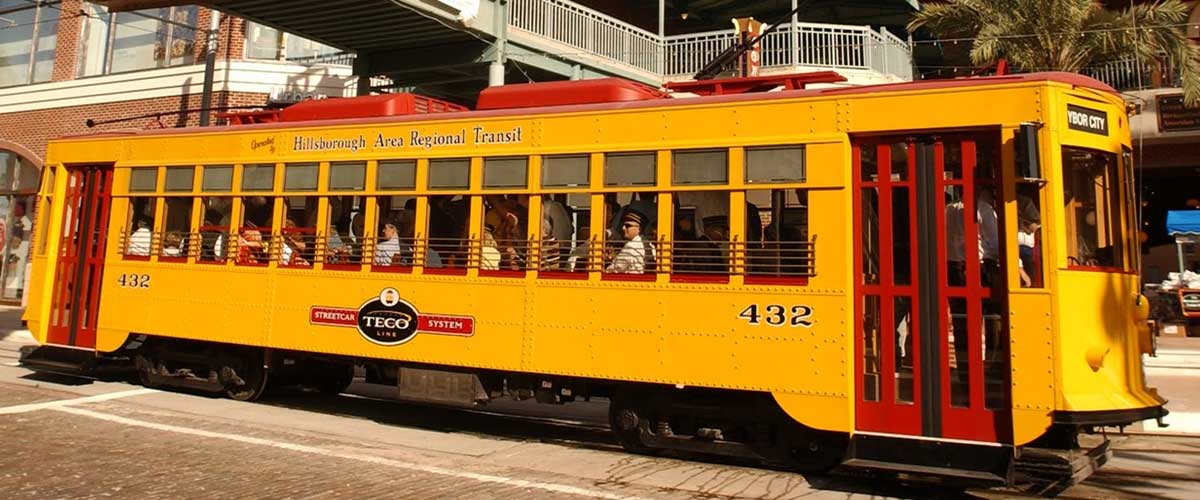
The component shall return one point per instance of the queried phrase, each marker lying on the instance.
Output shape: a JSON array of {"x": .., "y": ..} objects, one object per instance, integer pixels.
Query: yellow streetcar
[{"x": 932, "y": 278}]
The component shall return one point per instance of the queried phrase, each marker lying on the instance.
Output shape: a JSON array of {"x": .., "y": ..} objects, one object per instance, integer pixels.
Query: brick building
[{"x": 63, "y": 63}]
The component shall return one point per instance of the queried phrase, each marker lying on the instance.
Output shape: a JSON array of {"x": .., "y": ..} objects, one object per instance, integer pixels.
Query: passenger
[
  {"x": 337, "y": 251},
  {"x": 688, "y": 247},
  {"x": 388, "y": 250},
  {"x": 559, "y": 218},
  {"x": 213, "y": 242},
  {"x": 250, "y": 246},
  {"x": 715, "y": 254},
  {"x": 171, "y": 244},
  {"x": 139, "y": 241},
  {"x": 1026, "y": 241},
  {"x": 489, "y": 254},
  {"x": 987, "y": 246},
  {"x": 632, "y": 257},
  {"x": 433, "y": 258},
  {"x": 356, "y": 228},
  {"x": 552, "y": 248},
  {"x": 293, "y": 245}
]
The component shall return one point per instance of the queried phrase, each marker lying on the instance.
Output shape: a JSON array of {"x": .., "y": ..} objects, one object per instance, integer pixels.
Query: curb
[{"x": 19, "y": 336}]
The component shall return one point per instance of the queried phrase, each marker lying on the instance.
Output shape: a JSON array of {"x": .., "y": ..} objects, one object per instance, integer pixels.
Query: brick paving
[{"x": 51, "y": 454}]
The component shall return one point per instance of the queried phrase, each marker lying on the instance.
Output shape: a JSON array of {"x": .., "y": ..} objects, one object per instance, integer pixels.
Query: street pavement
[{"x": 66, "y": 438}]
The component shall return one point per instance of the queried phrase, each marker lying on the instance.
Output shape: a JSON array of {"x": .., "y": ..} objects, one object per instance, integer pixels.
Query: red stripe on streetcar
[
  {"x": 446, "y": 325},
  {"x": 333, "y": 316}
]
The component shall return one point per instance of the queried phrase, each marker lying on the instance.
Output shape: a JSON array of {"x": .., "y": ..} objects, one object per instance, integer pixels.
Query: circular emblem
[
  {"x": 387, "y": 320},
  {"x": 389, "y": 297}
]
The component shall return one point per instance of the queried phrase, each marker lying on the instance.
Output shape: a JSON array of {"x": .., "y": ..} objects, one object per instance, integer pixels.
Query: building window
[
  {"x": 28, "y": 36},
  {"x": 136, "y": 40},
  {"x": 267, "y": 43}
]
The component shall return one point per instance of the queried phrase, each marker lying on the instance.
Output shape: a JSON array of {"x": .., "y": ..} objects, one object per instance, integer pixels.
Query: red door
[
  {"x": 930, "y": 341},
  {"x": 79, "y": 272}
]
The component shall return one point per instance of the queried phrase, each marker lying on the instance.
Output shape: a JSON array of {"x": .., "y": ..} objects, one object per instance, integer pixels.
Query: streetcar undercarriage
[{"x": 647, "y": 419}]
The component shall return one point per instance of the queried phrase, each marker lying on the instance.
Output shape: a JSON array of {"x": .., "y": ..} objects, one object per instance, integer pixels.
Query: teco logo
[{"x": 387, "y": 320}]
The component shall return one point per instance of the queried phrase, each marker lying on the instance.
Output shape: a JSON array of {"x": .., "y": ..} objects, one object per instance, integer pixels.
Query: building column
[
  {"x": 67, "y": 45},
  {"x": 362, "y": 70},
  {"x": 500, "y": 25}
]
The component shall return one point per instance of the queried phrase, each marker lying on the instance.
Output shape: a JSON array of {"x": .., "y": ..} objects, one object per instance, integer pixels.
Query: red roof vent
[
  {"x": 565, "y": 93},
  {"x": 725, "y": 86},
  {"x": 339, "y": 108}
]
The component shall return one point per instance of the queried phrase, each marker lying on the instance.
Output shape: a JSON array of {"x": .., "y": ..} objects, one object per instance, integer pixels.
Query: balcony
[{"x": 576, "y": 32}]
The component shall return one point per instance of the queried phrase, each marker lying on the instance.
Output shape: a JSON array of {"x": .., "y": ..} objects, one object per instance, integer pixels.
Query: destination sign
[
  {"x": 1087, "y": 120},
  {"x": 413, "y": 139}
]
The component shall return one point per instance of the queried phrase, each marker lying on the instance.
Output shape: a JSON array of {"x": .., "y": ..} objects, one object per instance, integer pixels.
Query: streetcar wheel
[
  {"x": 816, "y": 451},
  {"x": 247, "y": 383},
  {"x": 145, "y": 369},
  {"x": 627, "y": 415}
]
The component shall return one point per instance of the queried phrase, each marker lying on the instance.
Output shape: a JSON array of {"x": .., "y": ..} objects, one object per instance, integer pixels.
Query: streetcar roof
[{"x": 1073, "y": 79}]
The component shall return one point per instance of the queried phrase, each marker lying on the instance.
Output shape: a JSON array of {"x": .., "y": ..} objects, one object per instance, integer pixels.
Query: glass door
[
  {"x": 79, "y": 271},
  {"x": 930, "y": 340}
]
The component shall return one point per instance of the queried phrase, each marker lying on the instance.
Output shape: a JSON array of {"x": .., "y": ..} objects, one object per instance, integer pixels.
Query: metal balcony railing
[
  {"x": 597, "y": 35},
  {"x": 1134, "y": 74}
]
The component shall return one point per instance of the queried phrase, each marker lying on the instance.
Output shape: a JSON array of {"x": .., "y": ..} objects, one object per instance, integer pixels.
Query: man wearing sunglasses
[{"x": 632, "y": 257}]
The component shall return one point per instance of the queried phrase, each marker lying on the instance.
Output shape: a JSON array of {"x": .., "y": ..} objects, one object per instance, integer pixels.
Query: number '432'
[
  {"x": 778, "y": 315},
  {"x": 134, "y": 280}
]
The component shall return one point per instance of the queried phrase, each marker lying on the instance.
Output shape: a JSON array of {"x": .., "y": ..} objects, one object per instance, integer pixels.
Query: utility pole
[
  {"x": 500, "y": 26},
  {"x": 210, "y": 64}
]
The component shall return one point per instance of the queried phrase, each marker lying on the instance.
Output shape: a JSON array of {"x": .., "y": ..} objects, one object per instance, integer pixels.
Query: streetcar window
[
  {"x": 700, "y": 242},
  {"x": 142, "y": 180},
  {"x": 502, "y": 243},
  {"x": 629, "y": 243},
  {"x": 179, "y": 179},
  {"x": 347, "y": 176},
  {"x": 344, "y": 234},
  {"x": 629, "y": 169},
  {"x": 1029, "y": 234},
  {"x": 214, "y": 228},
  {"x": 396, "y": 218},
  {"x": 177, "y": 224},
  {"x": 777, "y": 241},
  {"x": 397, "y": 174},
  {"x": 447, "y": 230},
  {"x": 300, "y": 177},
  {"x": 450, "y": 173},
  {"x": 140, "y": 227},
  {"x": 700, "y": 167},
  {"x": 563, "y": 232},
  {"x": 258, "y": 177},
  {"x": 775, "y": 164},
  {"x": 217, "y": 178},
  {"x": 505, "y": 172},
  {"x": 566, "y": 171},
  {"x": 1091, "y": 195},
  {"x": 298, "y": 236}
]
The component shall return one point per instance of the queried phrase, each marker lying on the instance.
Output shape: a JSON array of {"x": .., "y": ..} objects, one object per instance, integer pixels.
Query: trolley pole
[{"x": 210, "y": 63}]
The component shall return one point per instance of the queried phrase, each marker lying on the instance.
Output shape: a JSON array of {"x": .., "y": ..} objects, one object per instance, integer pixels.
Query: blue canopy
[{"x": 1183, "y": 222}]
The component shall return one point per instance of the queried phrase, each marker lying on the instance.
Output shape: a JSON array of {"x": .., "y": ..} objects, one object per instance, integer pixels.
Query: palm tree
[{"x": 1069, "y": 35}]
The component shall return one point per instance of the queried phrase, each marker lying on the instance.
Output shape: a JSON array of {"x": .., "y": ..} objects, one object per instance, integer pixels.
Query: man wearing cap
[{"x": 632, "y": 257}]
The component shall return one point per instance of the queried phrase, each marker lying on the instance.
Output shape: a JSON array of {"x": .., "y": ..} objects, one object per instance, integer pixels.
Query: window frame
[{"x": 35, "y": 37}]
